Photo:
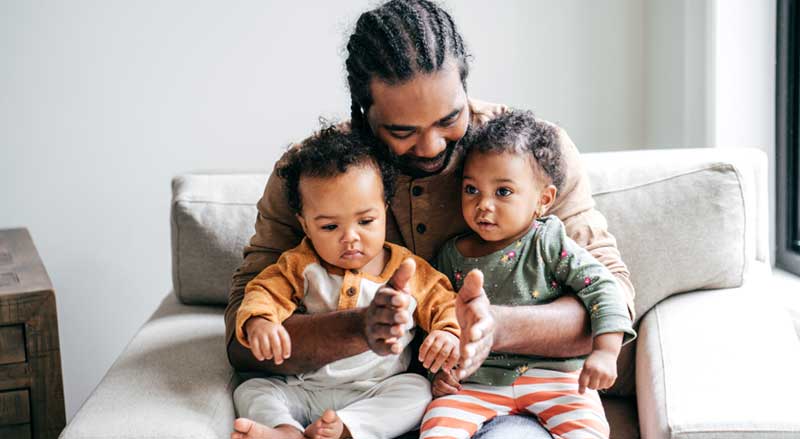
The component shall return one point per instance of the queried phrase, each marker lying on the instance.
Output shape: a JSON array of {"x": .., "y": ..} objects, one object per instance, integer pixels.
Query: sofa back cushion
[
  {"x": 684, "y": 220},
  {"x": 212, "y": 219}
]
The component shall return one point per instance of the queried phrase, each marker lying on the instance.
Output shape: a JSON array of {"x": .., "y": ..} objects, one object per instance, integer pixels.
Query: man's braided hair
[{"x": 396, "y": 41}]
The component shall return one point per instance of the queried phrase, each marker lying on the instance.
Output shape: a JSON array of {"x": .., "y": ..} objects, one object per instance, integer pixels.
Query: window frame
[{"x": 787, "y": 156}]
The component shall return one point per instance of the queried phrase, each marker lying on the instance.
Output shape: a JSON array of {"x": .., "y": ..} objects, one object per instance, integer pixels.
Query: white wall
[
  {"x": 577, "y": 63},
  {"x": 744, "y": 82},
  {"x": 102, "y": 102},
  {"x": 677, "y": 99}
]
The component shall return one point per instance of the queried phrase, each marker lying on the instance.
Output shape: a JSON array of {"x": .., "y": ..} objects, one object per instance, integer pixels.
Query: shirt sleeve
[
  {"x": 273, "y": 294},
  {"x": 436, "y": 301},
  {"x": 586, "y": 225},
  {"x": 276, "y": 230},
  {"x": 573, "y": 267}
]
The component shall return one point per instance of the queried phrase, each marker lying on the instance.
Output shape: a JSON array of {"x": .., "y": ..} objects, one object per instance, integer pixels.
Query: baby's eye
[
  {"x": 366, "y": 221},
  {"x": 504, "y": 192},
  {"x": 329, "y": 227},
  {"x": 470, "y": 189}
]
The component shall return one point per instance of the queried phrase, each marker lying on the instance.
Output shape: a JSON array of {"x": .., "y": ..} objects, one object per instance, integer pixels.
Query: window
[{"x": 788, "y": 128}]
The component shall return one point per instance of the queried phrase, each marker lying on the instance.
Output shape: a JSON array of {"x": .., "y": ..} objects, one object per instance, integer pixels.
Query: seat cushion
[
  {"x": 719, "y": 364},
  {"x": 172, "y": 381}
]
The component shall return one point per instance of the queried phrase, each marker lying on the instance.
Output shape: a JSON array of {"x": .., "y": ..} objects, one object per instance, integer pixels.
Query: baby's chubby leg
[
  {"x": 269, "y": 408},
  {"x": 461, "y": 414},
  {"x": 553, "y": 397},
  {"x": 389, "y": 409}
]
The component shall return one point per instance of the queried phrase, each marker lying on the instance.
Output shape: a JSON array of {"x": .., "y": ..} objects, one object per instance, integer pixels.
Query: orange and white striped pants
[{"x": 551, "y": 396}]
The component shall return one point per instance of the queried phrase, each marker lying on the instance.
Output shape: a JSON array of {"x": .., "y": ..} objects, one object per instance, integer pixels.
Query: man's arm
[
  {"x": 317, "y": 340},
  {"x": 557, "y": 329}
]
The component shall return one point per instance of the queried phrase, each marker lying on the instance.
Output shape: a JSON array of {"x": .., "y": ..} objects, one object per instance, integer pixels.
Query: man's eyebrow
[{"x": 392, "y": 127}]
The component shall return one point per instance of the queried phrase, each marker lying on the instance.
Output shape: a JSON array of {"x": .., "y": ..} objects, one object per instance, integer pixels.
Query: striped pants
[{"x": 551, "y": 396}]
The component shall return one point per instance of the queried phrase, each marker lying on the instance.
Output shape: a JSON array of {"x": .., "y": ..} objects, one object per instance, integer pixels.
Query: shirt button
[
  {"x": 421, "y": 228},
  {"x": 416, "y": 191},
  {"x": 351, "y": 291}
]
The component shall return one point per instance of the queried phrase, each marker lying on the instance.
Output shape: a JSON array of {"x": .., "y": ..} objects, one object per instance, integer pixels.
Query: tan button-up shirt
[{"x": 426, "y": 212}]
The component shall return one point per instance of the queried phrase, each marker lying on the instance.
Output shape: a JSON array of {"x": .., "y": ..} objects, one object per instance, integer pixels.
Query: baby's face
[
  {"x": 345, "y": 216},
  {"x": 500, "y": 194}
]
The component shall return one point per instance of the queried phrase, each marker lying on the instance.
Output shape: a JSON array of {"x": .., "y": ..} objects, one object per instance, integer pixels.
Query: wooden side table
[{"x": 31, "y": 390}]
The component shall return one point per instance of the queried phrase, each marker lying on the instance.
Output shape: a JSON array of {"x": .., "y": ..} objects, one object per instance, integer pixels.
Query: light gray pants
[{"x": 388, "y": 409}]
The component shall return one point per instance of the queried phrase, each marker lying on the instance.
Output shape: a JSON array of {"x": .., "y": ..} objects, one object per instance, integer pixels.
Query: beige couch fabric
[{"x": 719, "y": 364}]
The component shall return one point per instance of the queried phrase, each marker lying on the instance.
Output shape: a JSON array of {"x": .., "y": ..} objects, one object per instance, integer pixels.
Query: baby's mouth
[
  {"x": 351, "y": 254},
  {"x": 485, "y": 223}
]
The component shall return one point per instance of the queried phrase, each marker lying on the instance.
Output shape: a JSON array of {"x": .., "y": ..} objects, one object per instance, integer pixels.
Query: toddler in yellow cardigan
[{"x": 339, "y": 192}]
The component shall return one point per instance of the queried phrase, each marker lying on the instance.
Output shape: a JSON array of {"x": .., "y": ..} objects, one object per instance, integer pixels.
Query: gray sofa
[{"x": 716, "y": 356}]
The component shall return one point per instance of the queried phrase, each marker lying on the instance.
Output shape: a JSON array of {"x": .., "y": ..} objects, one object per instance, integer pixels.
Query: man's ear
[
  {"x": 302, "y": 222},
  {"x": 547, "y": 199}
]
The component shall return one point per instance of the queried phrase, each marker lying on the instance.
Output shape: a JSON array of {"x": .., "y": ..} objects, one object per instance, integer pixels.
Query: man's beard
[{"x": 418, "y": 167}]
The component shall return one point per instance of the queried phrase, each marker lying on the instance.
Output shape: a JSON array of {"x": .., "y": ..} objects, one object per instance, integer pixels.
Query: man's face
[
  {"x": 345, "y": 216},
  {"x": 422, "y": 119}
]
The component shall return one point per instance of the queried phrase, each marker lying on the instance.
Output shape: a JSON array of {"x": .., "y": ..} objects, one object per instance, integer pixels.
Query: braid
[
  {"x": 439, "y": 31},
  {"x": 356, "y": 117},
  {"x": 396, "y": 41},
  {"x": 414, "y": 29}
]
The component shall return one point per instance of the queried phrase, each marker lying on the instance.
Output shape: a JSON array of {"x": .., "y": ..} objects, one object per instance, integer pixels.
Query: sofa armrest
[
  {"x": 172, "y": 381},
  {"x": 721, "y": 364}
]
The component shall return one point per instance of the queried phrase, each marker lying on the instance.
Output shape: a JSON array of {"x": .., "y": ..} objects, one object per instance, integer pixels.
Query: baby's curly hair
[
  {"x": 520, "y": 132},
  {"x": 329, "y": 153}
]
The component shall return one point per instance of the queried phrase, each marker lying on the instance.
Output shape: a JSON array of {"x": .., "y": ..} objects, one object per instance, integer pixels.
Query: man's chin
[
  {"x": 417, "y": 168},
  {"x": 420, "y": 170}
]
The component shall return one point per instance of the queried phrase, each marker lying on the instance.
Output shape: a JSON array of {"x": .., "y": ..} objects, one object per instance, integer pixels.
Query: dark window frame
[{"x": 787, "y": 156}]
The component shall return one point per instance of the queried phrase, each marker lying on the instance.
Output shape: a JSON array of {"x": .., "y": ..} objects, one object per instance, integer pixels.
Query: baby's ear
[
  {"x": 302, "y": 222},
  {"x": 547, "y": 198}
]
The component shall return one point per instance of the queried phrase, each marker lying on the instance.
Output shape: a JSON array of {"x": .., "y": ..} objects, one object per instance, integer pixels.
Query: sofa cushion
[
  {"x": 172, "y": 381},
  {"x": 213, "y": 217},
  {"x": 683, "y": 219},
  {"x": 719, "y": 364}
]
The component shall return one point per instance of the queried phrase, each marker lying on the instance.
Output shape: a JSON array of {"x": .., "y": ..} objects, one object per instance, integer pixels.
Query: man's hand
[
  {"x": 600, "y": 368},
  {"x": 268, "y": 340},
  {"x": 387, "y": 315},
  {"x": 444, "y": 383},
  {"x": 440, "y": 350},
  {"x": 477, "y": 324}
]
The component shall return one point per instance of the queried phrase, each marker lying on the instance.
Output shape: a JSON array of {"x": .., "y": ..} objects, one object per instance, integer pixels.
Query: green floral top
[{"x": 538, "y": 268}]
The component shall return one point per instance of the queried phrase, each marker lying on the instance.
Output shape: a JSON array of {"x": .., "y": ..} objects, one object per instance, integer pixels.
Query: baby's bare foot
[
  {"x": 328, "y": 426},
  {"x": 244, "y": 428}
]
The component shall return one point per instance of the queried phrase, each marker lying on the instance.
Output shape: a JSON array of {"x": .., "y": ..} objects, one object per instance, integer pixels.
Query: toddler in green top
[{"x": 511, "y": 175}]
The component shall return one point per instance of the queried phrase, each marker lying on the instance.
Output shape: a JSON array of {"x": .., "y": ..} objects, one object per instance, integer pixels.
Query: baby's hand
[
  {"x": 444, "y": 383},
  {"x": 268, "y": 340},
  {"x": 599, "y": 371},
  {"x": 440, "y": 350}
]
